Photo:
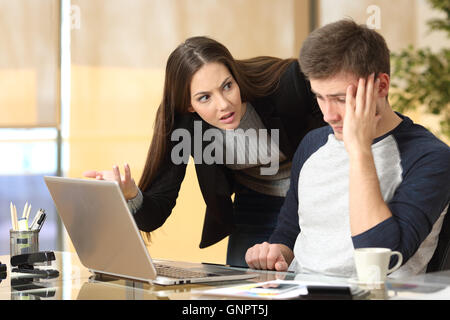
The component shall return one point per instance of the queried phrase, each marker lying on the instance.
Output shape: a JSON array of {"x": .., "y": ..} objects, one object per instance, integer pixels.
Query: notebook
[{"x": 107, "y": 240}]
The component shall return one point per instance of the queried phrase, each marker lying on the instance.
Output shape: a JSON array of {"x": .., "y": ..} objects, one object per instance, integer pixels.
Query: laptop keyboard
[{"x": 180, "y": 273}]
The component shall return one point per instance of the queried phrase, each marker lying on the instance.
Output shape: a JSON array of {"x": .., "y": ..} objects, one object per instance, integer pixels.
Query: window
[{"x": 27, "y": 156}]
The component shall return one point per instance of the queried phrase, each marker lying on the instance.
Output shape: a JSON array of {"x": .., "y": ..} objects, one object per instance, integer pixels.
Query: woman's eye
[
  {"x": 341, "y": 100},
  {"x": 227, "y": 86},
  {"x": 203, "y": 98}
]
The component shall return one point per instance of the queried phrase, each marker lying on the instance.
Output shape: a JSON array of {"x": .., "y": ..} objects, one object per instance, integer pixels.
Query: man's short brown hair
[{"x": 344, "y": 46}]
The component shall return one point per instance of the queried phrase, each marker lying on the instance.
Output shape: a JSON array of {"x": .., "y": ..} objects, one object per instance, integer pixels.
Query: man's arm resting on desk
[
  {"x": 278, "y": 255},
  {"x": 269, "y": 256}
]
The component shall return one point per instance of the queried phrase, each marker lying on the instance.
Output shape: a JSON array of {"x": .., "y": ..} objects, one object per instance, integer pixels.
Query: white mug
[{"x": 372, "y": 264}]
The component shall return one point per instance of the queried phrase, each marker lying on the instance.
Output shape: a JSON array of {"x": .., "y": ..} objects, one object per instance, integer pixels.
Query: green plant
[{"x": 421, "y": 77}]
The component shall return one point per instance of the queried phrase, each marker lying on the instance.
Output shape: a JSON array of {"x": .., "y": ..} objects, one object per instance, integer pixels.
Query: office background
[{"x": 81, "y": 81}]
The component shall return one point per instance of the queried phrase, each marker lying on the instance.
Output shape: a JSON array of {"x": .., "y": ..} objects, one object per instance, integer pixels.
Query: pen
[
  {"x": 36, "y": 218},
  {"x": 38, "y": 222},
  {"x": 41, "y": 221}
]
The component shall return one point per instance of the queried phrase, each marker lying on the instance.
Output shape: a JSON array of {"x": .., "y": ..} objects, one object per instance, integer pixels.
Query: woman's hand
[{"x": 127, "y": 184}]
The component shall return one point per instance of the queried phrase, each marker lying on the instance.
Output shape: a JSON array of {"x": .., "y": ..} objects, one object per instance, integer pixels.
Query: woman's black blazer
[{"x": 292, "y": 109}]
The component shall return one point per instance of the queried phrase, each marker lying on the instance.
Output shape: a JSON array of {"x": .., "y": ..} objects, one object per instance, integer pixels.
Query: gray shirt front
[{"x": 251, "y": 148}]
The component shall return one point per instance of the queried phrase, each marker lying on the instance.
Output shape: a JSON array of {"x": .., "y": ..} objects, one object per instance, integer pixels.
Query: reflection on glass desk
[{"x": 74, "y": 281}]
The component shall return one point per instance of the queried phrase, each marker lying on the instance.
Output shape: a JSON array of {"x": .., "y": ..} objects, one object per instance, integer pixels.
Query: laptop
[{"x": 107, "y": 240}]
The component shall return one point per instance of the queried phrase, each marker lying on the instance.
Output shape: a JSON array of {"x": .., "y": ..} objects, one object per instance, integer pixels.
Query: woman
[{"x": 206, "y": 89}]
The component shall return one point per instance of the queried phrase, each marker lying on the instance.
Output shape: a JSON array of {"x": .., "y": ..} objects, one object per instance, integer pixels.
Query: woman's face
[{"x": 216, "y": 97}]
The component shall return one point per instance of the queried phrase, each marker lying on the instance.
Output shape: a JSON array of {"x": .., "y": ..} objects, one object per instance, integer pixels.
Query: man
[{"x": 372, "y": 178}]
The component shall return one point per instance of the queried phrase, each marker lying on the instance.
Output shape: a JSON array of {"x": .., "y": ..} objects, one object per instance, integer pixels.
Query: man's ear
[{"x": 385, "y": 81}]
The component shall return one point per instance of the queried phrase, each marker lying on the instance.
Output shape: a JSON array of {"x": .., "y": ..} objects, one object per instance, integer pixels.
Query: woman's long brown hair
[{"x": 256, "y": 77}]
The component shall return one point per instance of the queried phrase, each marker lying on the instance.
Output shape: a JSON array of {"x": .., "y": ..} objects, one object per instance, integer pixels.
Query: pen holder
[{"x": 21, "y": 242}]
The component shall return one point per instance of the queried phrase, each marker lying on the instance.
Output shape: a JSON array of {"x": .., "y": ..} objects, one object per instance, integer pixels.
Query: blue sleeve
[
  {"x": 288, "y": 229},
  {"x": 416, "y": 205}
]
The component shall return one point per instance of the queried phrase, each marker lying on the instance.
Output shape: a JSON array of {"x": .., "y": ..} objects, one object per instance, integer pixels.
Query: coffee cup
[{"x": 372, "y": 264}]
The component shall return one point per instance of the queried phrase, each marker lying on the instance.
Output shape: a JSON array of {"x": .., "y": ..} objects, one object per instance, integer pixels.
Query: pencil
[
  {"x": 24, "y": 213},
  {"x": 28, "y": 211},
  {"x": 12, "y": 217},
  {"x": 15, "y": 217}
]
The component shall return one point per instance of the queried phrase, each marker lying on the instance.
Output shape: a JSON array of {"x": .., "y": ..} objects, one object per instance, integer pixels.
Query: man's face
[{"x": 331, "y": 95}]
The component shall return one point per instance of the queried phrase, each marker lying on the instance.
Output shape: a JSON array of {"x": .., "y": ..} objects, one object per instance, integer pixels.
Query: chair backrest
[{"x": 441, "y": 257}]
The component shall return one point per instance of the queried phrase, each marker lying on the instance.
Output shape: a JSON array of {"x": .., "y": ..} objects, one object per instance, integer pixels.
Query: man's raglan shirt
[{"x": 413, "y": 169}]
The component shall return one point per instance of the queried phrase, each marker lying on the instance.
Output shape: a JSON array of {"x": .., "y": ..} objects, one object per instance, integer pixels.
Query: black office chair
[{"x": 441, "y": 257}]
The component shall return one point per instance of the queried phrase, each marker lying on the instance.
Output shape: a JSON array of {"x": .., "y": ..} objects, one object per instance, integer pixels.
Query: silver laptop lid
[{"x": 105, "y": 239}]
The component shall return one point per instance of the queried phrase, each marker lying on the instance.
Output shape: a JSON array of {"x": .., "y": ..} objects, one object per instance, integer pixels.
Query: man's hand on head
[{"x": 361, "y": 119}]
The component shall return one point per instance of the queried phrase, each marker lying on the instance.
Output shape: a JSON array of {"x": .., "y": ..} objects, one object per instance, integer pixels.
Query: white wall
[{"x": 402, "y": 22}]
